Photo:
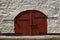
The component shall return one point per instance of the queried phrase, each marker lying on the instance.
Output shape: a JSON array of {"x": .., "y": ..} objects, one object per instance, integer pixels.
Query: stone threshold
[{"x": 42, "y": 37}]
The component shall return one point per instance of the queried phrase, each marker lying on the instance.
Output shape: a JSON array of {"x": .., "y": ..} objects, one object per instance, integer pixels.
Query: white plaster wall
[{"x": 11, "y": 8}]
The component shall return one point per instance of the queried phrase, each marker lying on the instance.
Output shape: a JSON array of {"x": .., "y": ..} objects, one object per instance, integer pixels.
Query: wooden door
[{"x": 30, "y": 22}]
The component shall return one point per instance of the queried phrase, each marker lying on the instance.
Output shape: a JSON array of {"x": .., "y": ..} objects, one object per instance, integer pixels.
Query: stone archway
[{"x": 30, "y": 22}]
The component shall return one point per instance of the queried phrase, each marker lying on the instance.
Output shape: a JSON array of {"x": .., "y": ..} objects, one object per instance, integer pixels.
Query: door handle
[{"x": 33, "y": 25}]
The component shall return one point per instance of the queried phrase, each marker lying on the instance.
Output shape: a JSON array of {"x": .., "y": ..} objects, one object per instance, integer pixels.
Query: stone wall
[{"x": 9, "y": 9}]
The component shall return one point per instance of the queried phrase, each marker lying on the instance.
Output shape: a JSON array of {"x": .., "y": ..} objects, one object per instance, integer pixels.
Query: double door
[{"x": 30, "y": 23}]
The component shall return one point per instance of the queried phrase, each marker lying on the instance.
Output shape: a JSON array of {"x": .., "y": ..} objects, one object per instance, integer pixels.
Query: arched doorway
[{"x": 30, "y": 22}]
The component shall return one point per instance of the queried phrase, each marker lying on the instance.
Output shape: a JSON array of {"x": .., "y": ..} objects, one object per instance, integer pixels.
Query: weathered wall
[{"x": 11, "y": 8}]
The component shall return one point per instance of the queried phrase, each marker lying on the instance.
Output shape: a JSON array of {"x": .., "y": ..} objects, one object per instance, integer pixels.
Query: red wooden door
[{"x": 30, "y": 22}]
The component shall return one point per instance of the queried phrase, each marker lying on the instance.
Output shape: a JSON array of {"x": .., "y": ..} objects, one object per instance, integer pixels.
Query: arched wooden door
[{"x": 30, "y": 22}]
